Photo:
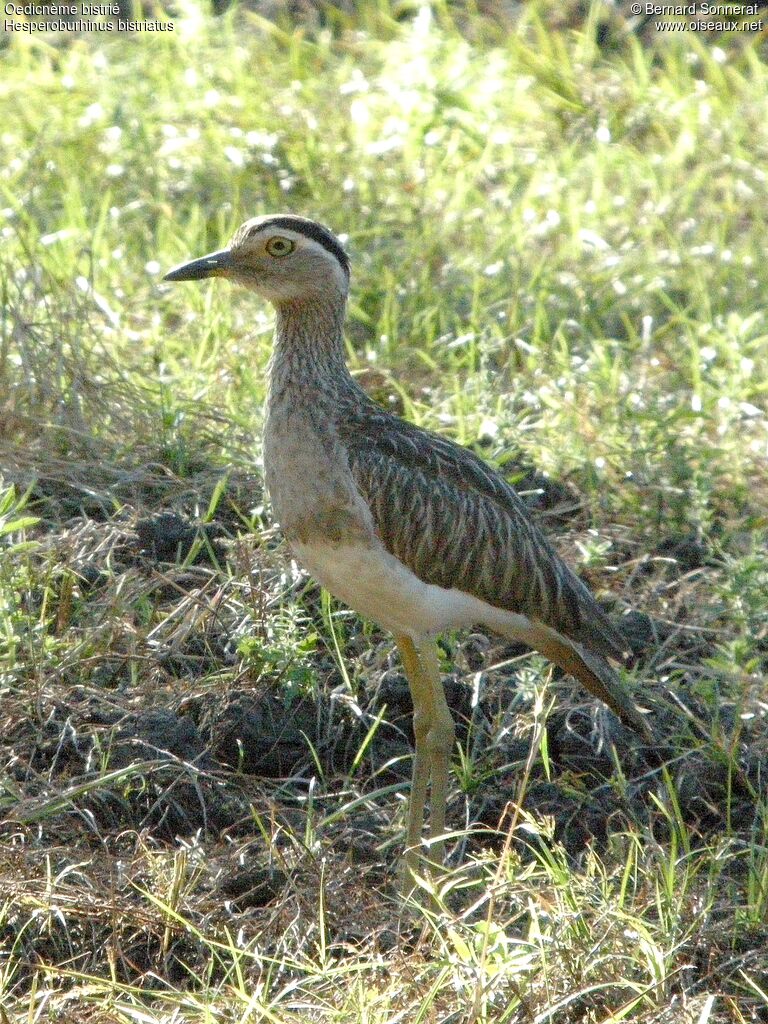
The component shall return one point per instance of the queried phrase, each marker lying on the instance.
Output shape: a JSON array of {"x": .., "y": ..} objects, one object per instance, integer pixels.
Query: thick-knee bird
[{"x": 408, "y": 528}]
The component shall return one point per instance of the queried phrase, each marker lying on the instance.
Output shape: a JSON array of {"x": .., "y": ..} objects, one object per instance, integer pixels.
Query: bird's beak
[{"x": 215, "y": 264}]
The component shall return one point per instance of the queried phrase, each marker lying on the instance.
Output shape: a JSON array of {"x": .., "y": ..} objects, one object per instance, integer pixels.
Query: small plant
[{"x": 284, "y": 656}]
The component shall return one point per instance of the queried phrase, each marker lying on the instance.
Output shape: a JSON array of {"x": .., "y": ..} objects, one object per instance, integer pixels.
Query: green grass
[{"x": 559, "y": 259}]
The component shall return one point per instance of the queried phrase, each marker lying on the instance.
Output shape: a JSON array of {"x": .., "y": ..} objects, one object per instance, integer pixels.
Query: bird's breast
[{"x": 311, "y": 488}]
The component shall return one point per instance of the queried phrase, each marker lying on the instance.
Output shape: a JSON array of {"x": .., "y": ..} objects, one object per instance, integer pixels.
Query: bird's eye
[{"x": 279, "y": 246}]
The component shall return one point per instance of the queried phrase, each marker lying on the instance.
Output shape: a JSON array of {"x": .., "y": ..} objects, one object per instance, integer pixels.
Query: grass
[{"x": 558, "y": 249}]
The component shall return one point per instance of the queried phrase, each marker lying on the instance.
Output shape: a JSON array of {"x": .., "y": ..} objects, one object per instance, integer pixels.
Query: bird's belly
[{"x": 380, "y": 587}]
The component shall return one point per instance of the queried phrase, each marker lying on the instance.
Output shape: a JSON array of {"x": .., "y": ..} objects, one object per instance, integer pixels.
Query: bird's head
[{"x": 284, "y": 258}]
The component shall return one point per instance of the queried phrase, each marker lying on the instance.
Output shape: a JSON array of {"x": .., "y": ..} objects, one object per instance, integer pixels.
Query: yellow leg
[{"x": 434, "y": 731}]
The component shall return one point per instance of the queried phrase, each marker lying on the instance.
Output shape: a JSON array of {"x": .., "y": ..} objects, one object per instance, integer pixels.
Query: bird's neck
[{"x": 309, "y": 347}]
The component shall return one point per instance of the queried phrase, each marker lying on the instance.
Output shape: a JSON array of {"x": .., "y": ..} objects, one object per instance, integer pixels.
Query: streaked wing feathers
[{"x": 456, "y": 523}]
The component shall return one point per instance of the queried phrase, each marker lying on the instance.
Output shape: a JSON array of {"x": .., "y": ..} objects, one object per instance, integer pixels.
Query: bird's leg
[
  {"x": 434, "y": 732},
  {"x": 440, "y": 741},
  {"x": 420, "y": 695}
]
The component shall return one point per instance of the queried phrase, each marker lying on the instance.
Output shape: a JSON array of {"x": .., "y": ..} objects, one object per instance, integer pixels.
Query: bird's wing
[{"x": 456, "y": 523}]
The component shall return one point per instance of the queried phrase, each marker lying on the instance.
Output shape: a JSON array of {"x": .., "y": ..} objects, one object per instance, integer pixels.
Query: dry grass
[{"x": 168, "y": 823}]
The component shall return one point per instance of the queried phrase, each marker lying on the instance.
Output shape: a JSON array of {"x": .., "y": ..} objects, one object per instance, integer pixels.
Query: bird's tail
[{"x": 592, "y": 671}]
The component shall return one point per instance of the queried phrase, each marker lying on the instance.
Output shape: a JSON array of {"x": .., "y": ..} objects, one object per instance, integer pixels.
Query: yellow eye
[{"x": 279, "y": 246}]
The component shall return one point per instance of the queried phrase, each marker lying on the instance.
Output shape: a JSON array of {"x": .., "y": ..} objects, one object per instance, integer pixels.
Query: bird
[{"x": 405, "y": 526}]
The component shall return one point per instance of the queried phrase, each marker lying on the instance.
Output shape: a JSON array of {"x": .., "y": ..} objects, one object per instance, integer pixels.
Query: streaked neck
[{"x": 309, "y": 344}]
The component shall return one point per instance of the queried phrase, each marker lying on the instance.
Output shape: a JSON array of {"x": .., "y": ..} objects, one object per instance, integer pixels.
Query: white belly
[{"x": 379, "y": 587}]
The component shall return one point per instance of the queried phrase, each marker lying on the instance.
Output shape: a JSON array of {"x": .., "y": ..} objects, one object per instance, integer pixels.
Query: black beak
[{"x": 215, "y": 264}]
